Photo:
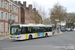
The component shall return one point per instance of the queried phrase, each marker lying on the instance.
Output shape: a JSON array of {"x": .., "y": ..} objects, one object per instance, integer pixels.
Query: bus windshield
[{"x": 15, "y": 30}]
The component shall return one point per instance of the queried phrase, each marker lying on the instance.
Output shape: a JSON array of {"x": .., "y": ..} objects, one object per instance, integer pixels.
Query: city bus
[{"x": 29, "y": 31}]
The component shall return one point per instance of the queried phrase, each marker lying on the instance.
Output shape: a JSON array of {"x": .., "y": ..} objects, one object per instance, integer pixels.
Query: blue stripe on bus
[{"x": 41, "y": 34}]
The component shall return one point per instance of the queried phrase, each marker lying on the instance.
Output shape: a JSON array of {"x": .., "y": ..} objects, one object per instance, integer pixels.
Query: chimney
[
  {"x": 30, "y": 6},
  {"x": 34, "y": 9},
  {"x": 19, "y": 2},
  {"x": 37, "y": 11},
  {"x": 16, "y": 1},
  {"x": 11, "y": 0},
  {"x": 24, "y": 4}
]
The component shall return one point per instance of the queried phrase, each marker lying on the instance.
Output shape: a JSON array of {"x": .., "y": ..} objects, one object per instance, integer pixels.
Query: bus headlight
[
  {"x": 20, "y": 36},
  {"x": 11, "y": 36}
]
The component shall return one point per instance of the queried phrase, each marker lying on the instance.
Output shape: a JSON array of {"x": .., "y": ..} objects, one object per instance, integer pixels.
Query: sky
[{"x": 48, "y": 4}]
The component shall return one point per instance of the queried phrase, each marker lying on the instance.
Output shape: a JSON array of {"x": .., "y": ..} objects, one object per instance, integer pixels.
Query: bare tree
[
  {"x": 46, "y": 21},
  {"x": 70, "y": 19},
  {"x": 57, "y": 12},
  {"x": 41, "y": 10}
]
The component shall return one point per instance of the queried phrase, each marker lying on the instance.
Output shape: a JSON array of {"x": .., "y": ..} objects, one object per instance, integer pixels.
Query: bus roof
[{"x": 33, "y": 25}]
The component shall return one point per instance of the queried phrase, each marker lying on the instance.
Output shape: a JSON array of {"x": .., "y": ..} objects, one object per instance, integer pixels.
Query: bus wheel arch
[
  {"x": 46, "y": 35},
  {"x": 30, "y": 37}
]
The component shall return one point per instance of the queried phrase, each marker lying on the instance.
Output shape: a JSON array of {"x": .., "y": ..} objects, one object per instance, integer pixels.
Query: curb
[{"x": 4, "y": 37}]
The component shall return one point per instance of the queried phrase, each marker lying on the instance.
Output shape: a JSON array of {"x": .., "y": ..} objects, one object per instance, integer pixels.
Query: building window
[
  {"x": 16, "y": 19},
  {"x": 1, "y": 3},
  {"x": 6, "y": 5},
  {"x": 6, "y": 16},
  {"x": 2, "y": 27},
  {"x": 15, "y": 9},
  {"x": 10, "y": 16},
  {"x": 6, "y": 27},
  {"x": 10, "y": 8},
  {"x": 2, "y": 15}
]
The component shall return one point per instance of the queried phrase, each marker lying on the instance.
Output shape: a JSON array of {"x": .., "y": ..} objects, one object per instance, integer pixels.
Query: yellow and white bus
[{"x": 29, "y": 31}]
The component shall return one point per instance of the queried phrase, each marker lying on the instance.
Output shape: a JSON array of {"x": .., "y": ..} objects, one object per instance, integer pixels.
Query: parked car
[
  {"x": 73, "y": 29},
  {"x": 68, "y": 29},
  {"x": 63, "y": 30}
]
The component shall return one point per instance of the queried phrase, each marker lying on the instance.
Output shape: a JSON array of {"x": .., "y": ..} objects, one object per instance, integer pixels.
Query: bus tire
[
  {"x": 46, "y": 35},
  {"x": 30, "y": 37}
]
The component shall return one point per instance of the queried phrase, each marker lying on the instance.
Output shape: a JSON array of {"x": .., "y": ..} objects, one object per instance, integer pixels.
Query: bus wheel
[
  {"x": 30, "y": 37},
  {"x": 46, "y": 35}
]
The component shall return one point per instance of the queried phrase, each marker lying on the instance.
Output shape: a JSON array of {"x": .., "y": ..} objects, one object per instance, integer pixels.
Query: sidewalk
[
  {"x": 56, "y": 33},
  {"x": 5, "y": 36}
]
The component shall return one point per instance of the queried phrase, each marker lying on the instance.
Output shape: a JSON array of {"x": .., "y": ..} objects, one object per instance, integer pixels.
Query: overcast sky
[{"x": 48, "y": 4}]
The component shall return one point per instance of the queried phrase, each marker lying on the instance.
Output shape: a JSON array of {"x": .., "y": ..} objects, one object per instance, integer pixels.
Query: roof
[
  {"x": 33, "y": 25},
  {"x": 30, "y": 9}
]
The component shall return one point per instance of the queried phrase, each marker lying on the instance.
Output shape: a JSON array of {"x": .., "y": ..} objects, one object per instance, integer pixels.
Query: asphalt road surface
[{"x": 66, "y": 41}]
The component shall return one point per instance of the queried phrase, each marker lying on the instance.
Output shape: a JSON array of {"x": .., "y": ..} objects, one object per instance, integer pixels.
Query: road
[{"x": 66, "y": 41}]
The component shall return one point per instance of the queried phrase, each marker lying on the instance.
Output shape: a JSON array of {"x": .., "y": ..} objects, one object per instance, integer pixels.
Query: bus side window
[
  {"x": 23, "y": 30},
  {"x": 29, "y": 29},
  {"x": 38, "y": 29},
  {"x": 50, "y": 28},
  {"x": 34, "y": 29},
  {"x": 47, "y": 29},
  {"x": 44, "y": 29}
]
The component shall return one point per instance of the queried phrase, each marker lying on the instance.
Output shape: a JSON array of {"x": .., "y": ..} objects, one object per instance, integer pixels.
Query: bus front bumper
[{"x": 15, "y": 38}]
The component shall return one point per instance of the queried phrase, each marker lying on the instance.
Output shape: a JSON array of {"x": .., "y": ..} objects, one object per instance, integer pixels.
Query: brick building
[
  {"x": 8, "y": 10},
  {"x": 33, "y": 15},
  {"x": 38, "y": 18},
  {"x": 18, "y": 12},
  {"x": 22, "y": 9},
  {"x": 29, "y": 15}
]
